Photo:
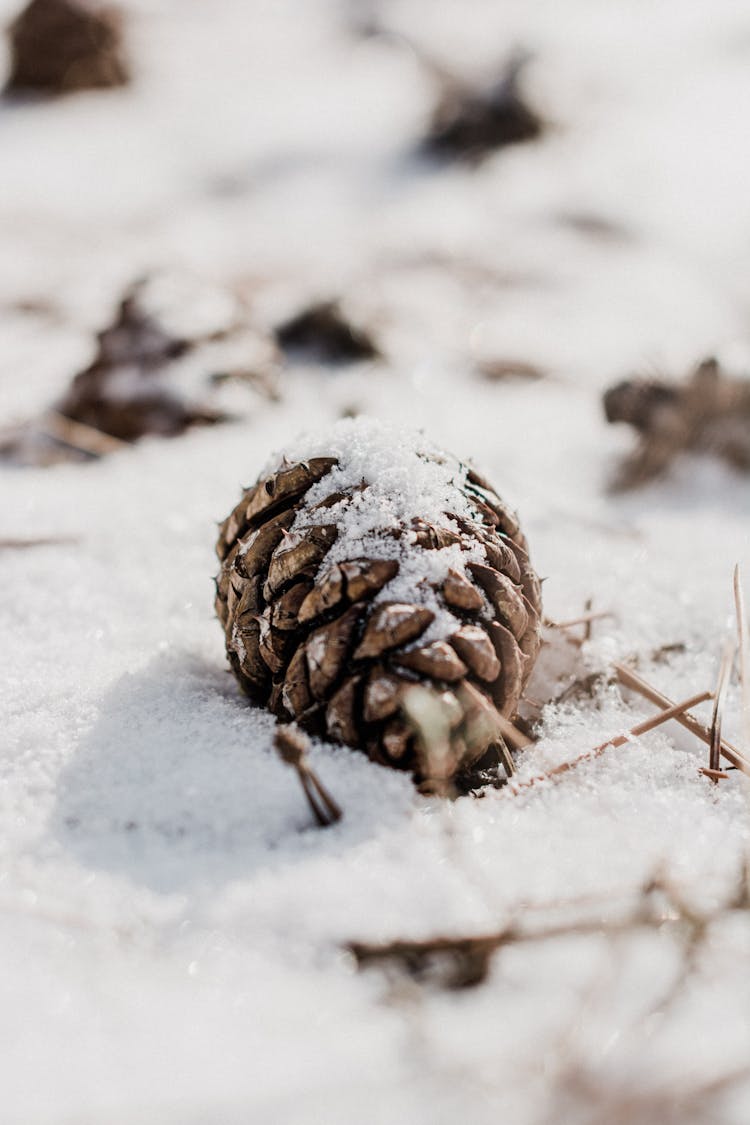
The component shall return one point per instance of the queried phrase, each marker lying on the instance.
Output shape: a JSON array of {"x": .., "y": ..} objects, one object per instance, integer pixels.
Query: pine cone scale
[
  {"x": 475, "y": 648},
  {"x": 504, "y": 597},
  {"x": 391, "y": 625}
]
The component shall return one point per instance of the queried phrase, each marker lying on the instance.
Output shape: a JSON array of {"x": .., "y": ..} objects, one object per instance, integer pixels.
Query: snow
[
  {"x": 407, "y": 479},
  {"x": 172, "y": 927}
]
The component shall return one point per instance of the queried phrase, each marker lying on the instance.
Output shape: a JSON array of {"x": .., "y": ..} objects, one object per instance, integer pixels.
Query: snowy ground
[{"x": 171, "y": 926}]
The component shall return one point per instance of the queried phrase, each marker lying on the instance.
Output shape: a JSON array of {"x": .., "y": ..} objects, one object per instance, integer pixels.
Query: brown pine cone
[
  {"x": 59, "y": 46},
  {"x": 381, "y": 595}
]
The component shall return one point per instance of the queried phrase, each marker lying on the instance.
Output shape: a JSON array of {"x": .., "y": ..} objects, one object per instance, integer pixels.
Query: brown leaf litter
[
  {"x": 709, "y": 412},
  {"x": 60, "y": 46}
]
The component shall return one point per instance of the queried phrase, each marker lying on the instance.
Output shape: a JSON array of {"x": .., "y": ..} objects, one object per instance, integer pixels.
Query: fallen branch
[{"x": 585, "y": 619}]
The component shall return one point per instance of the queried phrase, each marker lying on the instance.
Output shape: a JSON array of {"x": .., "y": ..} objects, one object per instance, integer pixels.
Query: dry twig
[{"x": 460, "y": 962}]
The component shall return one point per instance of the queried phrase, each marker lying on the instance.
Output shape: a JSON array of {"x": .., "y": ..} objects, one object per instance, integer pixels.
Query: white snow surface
[{"x": 173, "y": 928}]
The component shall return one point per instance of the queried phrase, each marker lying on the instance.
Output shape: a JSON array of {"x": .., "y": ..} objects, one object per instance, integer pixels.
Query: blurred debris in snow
[
  {"x": 322, "y": 333},
  {"x": 709, "y": 412},
  {"x": 61, "y": 46}
]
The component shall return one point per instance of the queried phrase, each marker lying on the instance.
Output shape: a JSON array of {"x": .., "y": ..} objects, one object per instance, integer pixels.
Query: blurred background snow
[{"x": 171, "y": 927}]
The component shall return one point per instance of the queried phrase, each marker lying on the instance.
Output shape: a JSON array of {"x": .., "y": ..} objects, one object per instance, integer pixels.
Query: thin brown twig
[
  {"x": 327, "y": 811},
  {"x": 630, "y": 679},
  {"x": 584, "y": 619},
  {"x": 714, "y": 775}
]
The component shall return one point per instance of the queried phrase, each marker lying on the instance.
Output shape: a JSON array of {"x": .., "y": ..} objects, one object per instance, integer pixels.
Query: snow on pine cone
[{"x": 379, "y": 592}]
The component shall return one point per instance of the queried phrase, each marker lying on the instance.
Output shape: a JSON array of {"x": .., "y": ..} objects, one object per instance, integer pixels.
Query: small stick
[
  {"x": 642, "y": 728},
  {"x": 584, "y": 619},
  {"x": 714, "y": 775},
  {"x": 629, "y": 678},
  {"x": 485, "y": 944},
  {"x": 292, "y": 745}
]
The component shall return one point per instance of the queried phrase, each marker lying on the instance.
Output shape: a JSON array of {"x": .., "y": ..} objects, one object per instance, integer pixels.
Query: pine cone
[
  {"x": 59, "y": 46},
  {"x": 383, "y": 598}
]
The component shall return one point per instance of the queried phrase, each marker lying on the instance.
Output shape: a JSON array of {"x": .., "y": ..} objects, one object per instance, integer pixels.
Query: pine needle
[
  {"x": 584, "y": 619},
  {"x": 743, "y": 644},
  {"x": 725, "y": 667},
  {"x": 464, "y": 961},
  {"x": 630, "y": 679},
  {"x": 671, "y": 712}
]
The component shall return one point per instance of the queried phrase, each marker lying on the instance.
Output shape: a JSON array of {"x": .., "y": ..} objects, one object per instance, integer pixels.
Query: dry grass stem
[
  {"x": 325, "y": 809},
  {"x": 714, "y": 775},
  {"x": 714, "y": 746},
  {"x": 630, "y": 679},
  {"x": 585, "y": 619}
]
